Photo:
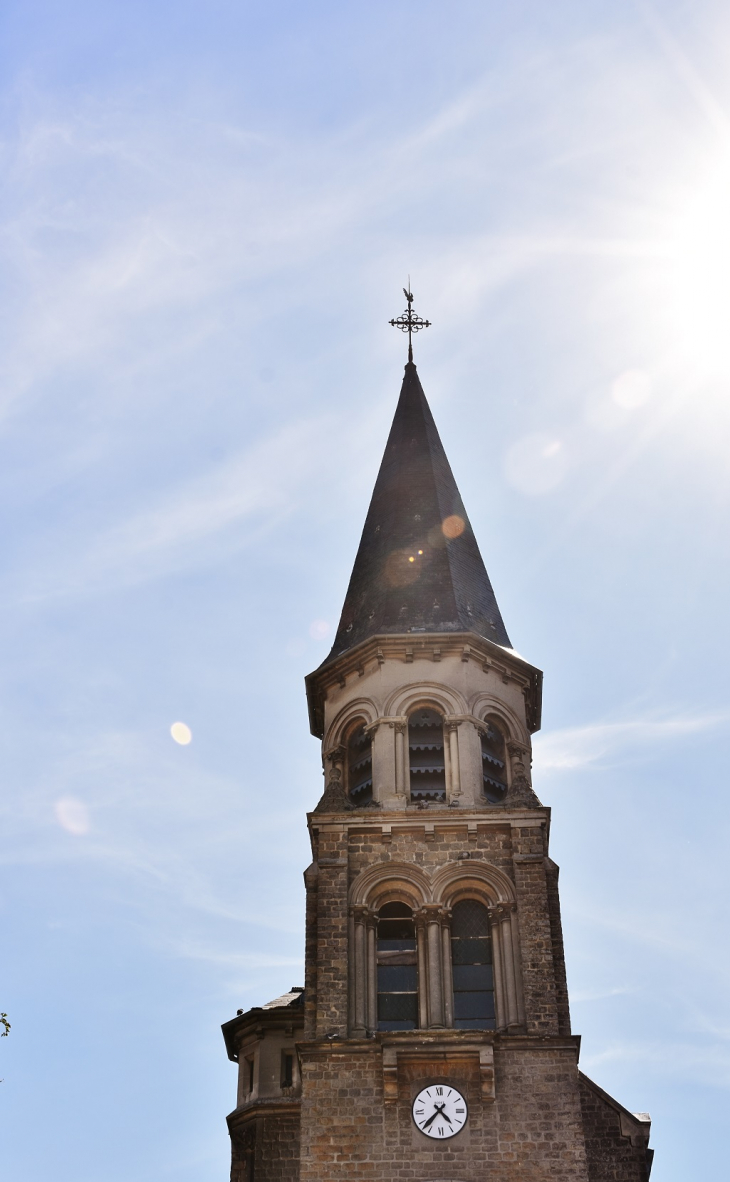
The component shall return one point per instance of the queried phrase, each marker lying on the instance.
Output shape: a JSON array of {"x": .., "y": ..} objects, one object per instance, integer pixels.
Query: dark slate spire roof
[{"x": 409, "y": 575}]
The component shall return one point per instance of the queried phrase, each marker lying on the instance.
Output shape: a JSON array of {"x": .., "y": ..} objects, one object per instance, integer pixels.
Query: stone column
[
  {"x": 433, "y": 915},
  {"x": 446, "y": 967},
  {"x": 504, "y": 954},
  {"x": 402, "y": 776},
  {"x": 372, "y": 1008},
  {"x": 500, "y": 1000},
  {"x": 421, "y": 946},
  {"x": 360, "y": 972},
  {"x": 453, "y": 778}
]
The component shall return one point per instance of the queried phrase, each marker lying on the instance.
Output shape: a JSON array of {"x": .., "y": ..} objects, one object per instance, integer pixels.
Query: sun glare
[{"x": 702, "y": 274}]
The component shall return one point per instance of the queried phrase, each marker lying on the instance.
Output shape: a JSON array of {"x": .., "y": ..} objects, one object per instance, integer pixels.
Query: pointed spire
[{"x": 418, "y": 567}]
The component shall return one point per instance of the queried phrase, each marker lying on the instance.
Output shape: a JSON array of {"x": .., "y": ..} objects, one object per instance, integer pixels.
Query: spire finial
[{"x": 408, "y": 321}]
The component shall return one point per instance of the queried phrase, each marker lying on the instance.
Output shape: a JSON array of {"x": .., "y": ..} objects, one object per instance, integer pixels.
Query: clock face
[{"x": 440, "y": 1111}]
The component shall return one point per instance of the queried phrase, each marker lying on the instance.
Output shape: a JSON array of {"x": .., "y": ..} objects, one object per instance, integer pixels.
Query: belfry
[{"x": 431, "y": 1041}]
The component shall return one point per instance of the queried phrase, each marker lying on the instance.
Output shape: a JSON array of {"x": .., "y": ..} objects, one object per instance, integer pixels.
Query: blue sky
[{"x": 208, "y": 214}]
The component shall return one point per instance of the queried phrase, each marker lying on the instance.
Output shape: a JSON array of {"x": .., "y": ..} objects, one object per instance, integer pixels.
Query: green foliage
[{"x": 4, "y": 1022}]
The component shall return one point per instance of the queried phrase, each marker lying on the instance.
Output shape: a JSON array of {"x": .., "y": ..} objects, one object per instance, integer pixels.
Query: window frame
[
  {"x": 425, "y": 794},
  {"x": 405, "y": 958},
  {"x": 494, "y": 721},
  {"x": 355, "y": 726},
  {"x": 488, "y": 1022}
]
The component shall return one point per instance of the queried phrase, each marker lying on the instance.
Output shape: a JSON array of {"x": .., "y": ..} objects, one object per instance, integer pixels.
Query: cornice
[
  {"x": 276, "y": 1106},
  {"x": 235, "y": 1030},
  {"x": 413, "y": 818},
  {"x": 409, "y": 647}
]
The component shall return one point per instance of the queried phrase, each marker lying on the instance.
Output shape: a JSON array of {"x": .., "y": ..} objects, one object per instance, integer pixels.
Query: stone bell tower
[{"x": 432, "y": 1040}]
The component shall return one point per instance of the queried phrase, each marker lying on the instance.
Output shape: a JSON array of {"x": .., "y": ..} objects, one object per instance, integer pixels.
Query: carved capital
[
  {"x": 519, "y": 753},
  {"x": 433, "y": 913},
  {"x": 362, "y": 913},
  {"x": 501, "y": 912},
  {"x": 336, "y": 754}
]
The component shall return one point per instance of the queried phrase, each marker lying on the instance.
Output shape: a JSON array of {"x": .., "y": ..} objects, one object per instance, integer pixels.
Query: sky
[{"x": 208, "y": 213}]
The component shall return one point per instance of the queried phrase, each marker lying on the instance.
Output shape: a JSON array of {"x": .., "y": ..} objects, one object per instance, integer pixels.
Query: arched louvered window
[
  {"x": 397, "y": 968},
  {"x": 494, "y": 762},
  {"x": 359, "y": 765},
  {"x": 426, "y": 755},
  {"x": 471, "y": 966}
]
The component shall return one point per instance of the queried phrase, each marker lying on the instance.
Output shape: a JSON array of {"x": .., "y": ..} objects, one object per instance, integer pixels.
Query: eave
[{"x": 430, "y": 646}]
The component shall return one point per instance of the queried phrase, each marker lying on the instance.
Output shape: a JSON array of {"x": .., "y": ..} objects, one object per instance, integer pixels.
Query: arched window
[
  {"x": 359, "y": 765},
  {"x": 397, "y": 968},
  {"x": 494, "y": 762},
  {"x": 471, "y": 966},
  {"x": 426, "y": 755}
]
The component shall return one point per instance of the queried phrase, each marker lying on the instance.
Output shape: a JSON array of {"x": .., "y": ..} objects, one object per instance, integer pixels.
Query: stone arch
[
  {"x": 515, "y": 729},
  {"x": 482, "y": 880},
  {"x": 490, "y": 886},
  {"x": 386, "y": 882},
  {"x": 424, "y": 693},
  {"x": 397, "y": 880},
  {"x": 363, "y": 708}
]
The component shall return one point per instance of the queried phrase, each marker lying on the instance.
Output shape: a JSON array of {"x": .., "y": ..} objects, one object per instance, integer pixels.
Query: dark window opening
[
  {"x": 287, "y": 1070},
  {"x": 471, "y": 967},
  {"x": 250, "y": 1074},
  {"x": 426, "y": 755},
  {"x": 494, "y": 763},
  {"x": 360, "y": 766},
  {"x": 397, "y": 968}
]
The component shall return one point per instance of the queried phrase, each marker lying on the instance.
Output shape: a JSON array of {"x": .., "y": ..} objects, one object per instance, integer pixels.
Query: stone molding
[
  {"x": 374, "y": 651},
  {"x": 397, "y": 1054}
]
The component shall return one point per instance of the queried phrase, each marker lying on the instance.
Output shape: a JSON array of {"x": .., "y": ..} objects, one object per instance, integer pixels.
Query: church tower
[{"x": 432, "y": 1039}]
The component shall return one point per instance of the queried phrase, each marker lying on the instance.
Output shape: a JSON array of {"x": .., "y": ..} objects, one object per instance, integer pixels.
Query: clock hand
[
  {"x": 439, "y": 1111},
  {"x": 431, "y": 1119}
]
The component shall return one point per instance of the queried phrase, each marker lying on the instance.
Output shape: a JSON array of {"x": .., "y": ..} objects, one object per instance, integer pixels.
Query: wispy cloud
[
  {"x": 585, "y": 995},
  {"x": 670, "y": 1058},
  {"x": 233, "y": 505},
  {"x": 576, "y": 747}
]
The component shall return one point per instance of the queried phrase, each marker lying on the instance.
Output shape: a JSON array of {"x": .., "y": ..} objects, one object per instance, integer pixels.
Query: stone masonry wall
[
  {"x": 536, "y": 935},
  {"x": 266, "y": 1148},
  {"x": 332, "y": 933},
  {"x": 277, "y": 1149},
  {"x": 520, "y": 854},
  {"x": 612, "y": 1156},
  {"x": 556, "y": 927},
  {"x": 311, "y": 882},
  {"x": 532, "y": 1133},
  {"x": 490, "y": 843}
]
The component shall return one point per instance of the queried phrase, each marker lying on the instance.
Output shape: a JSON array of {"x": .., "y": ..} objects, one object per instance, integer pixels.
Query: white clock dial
[{"x": 440, "y": 1111}]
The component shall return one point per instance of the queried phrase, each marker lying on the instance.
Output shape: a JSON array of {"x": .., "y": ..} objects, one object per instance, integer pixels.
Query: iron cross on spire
[{"x": 409, "y": 322}]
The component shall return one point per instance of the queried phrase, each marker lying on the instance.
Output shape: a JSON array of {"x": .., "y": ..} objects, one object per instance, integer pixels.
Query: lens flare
[
  {"x": 318, "y": 629},
  {"x": 181, "y": 733},
  {"x": 453, "y": 526},
  {"x": 631, "y": 389},
  {"x": 536, "y": 463},
  {"x": 72, "y": 815},
  {"x": 400, "y": 569}
]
